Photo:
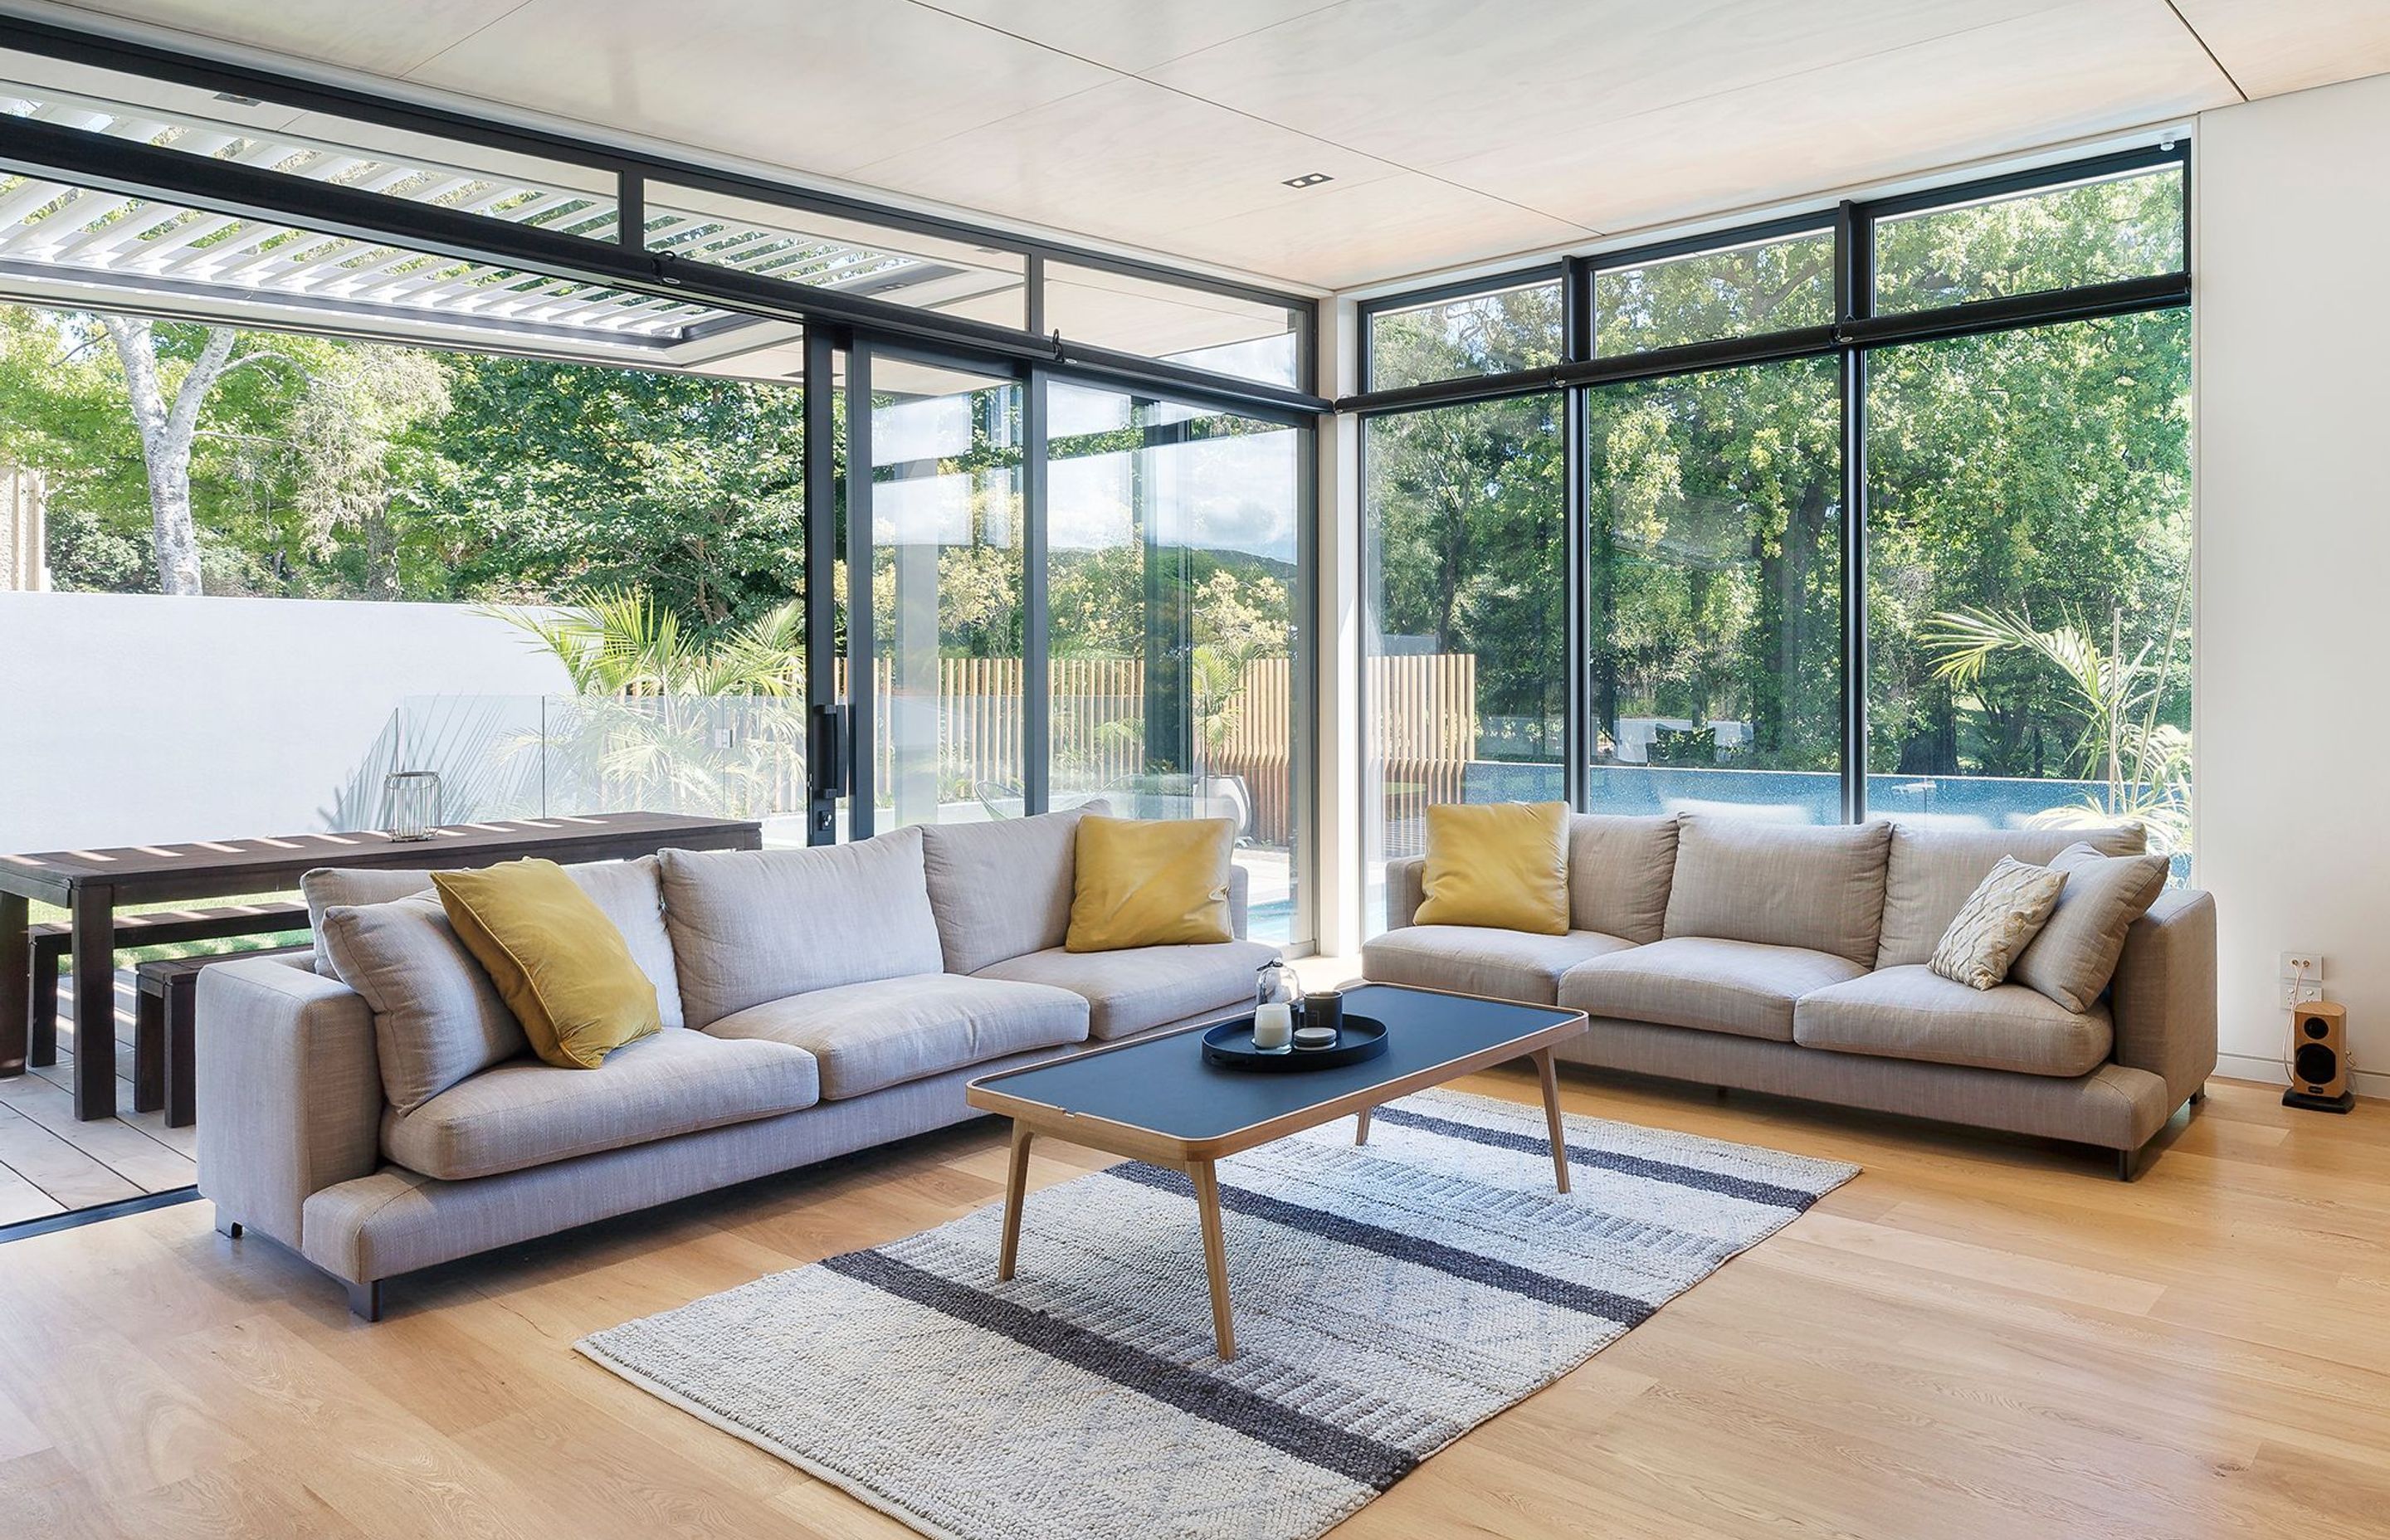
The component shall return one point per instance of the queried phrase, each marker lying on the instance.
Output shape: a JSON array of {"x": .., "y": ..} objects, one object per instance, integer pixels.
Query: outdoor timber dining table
[{"x": 92, "y": 884}]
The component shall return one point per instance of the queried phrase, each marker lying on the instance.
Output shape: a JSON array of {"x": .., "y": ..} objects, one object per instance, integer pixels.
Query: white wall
[
  {"x": 2292, "y": 208},
  {"x": 128, "y": 719}
]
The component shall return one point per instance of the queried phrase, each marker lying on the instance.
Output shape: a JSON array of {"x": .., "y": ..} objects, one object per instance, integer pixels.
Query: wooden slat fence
[{"x": 1423, "y": 714}]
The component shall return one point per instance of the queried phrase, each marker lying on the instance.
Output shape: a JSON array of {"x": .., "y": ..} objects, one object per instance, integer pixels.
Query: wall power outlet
[{"x": 2296, "y": 994}]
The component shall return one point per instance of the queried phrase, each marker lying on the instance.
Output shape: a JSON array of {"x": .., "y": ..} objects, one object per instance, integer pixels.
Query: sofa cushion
[
  {"x": 1930, "y": 873},
  {"x": 752, "y": 926},
  {"x": 627, "y": 891},
  {"x": 526, "y": 1114},
  {"x": 437, "y": 1018},
  {"x": 1817, "y": 887},
  {"x": 1496, "y": 865},
  {"x": 1001, "y": 888},
  {"x": 1130, "y": 991},
  {"x": 350, "y": 886},
  {"x": 2004, "y": 912},
  {"x": 1469, "y": 959},
  {"x": 1619, "y": 872},
  {"x": 1742, "y": 987},
  {"x": 870, "y": 1035},
  {"x": 1150, "y": 882},
  {"x": 559, "y": 963},
  {"x": 2075, "y": 954},
  {"x": 1913, "y": 1012}
]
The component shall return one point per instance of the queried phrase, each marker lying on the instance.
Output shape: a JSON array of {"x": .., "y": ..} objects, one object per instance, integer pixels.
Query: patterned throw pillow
[{"x": 2000, "y": 919}]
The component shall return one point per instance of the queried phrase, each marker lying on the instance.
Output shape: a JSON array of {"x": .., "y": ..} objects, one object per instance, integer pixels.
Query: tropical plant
[
  {"x": 2115, "y": 694},
  {"x": 669, "y": 723},
  {"x": 624, "y": 644}
]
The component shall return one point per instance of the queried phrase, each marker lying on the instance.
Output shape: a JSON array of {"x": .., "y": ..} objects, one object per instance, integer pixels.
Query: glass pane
[
  {"x": 946, "y": 555},
  {"x": 2122, "y": 226},
  {"x": 1716, "y": 593},
  {"x": 1479, "y": 334},
  {"x": 1248, "y": 339},
  {"x": 1467, "y": 662},
  {"x": 1742, "y": 292},
  {"x": 773, "y": 241},
  {"x": 1173, "y": 573},
  {"x": 2029, "y": 578}
]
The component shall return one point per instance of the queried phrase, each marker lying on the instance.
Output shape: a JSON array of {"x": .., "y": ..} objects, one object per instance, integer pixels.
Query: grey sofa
[
  {"x": 1792, "y": 960},
  {"x": 816, "y": 1002}
]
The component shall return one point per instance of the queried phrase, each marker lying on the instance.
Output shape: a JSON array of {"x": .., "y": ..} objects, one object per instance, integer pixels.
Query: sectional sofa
[
  {"x": 815, "y": 1001},
  {"x": 1791, "y": 959}
]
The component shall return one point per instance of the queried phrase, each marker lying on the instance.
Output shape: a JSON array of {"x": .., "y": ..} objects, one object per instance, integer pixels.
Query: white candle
[{"x": 1274, "y": 1026}]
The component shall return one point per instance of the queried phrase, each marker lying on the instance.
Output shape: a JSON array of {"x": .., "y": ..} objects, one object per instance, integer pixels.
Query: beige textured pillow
[
  {"x": 2074, "y": 956},
  {"x": 1998, "y": 921}
]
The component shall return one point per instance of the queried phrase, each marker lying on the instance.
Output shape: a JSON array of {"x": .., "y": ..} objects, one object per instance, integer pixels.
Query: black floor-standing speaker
[{"x": 2320, "y": 1079}]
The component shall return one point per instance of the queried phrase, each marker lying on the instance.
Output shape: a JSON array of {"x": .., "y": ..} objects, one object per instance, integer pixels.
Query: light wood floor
[
  {"x": 50, "y": 1162},
  {"x": 1975, "y": 1337}
]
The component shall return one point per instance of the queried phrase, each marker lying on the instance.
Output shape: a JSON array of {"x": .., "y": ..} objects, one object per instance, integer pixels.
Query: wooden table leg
[
  {"x": 1547, "y": 1070},
  {"x": 16, "y": 983},
  {"x": 148, "y": 1050},
  {"x": 1361, "y": 1128},
  {"x": 1216, "y": 1256},
  {"x": 1016, "y": 1192},
  {"x": 95, "y": 1003}
]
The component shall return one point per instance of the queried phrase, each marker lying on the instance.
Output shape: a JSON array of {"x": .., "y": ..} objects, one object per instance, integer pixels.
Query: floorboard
[{"x": 1977, "y": 1337}]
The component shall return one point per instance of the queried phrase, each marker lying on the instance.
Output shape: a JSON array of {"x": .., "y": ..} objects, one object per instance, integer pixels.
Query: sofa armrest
[
  {"x": 289, "y": 1090},
  {"x": 1404, "y": 890},
  {"x": 1240, "y": 890},
  {"x": 2164, "y": 994}
]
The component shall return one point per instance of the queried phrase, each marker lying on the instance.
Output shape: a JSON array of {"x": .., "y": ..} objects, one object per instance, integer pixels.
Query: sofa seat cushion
[
  {"x": 1742, "y": 987},
  {"x": 1913, "y": 1012},
  {"x": 869, "y": 1036},
  {"x": 525, "y": 1114},
  {"x": 1142, "y": 987},
  {"x": 1469, "y": 959}
]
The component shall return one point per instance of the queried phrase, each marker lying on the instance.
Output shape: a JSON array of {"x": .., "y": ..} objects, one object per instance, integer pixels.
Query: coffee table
[{"x": 1155, "y": 1099}]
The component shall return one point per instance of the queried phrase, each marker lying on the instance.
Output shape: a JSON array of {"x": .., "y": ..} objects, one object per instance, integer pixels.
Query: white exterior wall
[
  {"x": 132, "y": 718},
  {"x": 2292, "y": 212}
]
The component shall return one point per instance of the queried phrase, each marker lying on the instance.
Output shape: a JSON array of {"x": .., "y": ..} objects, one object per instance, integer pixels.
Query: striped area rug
[{"x": 1388, "y": 1299}]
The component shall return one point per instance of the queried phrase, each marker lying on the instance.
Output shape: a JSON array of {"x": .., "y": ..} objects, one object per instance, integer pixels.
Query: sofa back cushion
[
  {"x": 2075, "y": 954},
  {"x": 1932, "y": 872},
  {"x": 1001, "y": 888},
  {"x": 751, "y": 926},
  {"x": 1619, "y": 870},
  {"x": 629, "y": 892},
  {"x": 437, "y": 1018},
  {"x": 328, "y": 886},
  {"x": 1819, "y": 886}
]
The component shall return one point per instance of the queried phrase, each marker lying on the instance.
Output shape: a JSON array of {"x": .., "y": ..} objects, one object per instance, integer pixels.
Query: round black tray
[{"x": 1231, "y": 1046}]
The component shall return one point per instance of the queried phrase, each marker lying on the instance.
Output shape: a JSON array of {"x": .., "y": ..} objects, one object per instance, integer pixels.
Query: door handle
[{"x": 828, "y": 753}]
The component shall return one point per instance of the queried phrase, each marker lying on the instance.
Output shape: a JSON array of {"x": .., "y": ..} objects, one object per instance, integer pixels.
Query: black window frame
[{"x": 1857, "y": 333}]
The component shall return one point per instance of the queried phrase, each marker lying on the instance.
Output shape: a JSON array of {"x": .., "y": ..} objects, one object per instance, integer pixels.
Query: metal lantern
[{"x": 414, "y": 800}]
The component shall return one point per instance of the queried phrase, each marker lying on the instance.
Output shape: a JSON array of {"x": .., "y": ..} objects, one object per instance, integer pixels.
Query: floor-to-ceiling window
[
  {"x": 1879, "y": 511},
  {"x": 1174, "y": 576}
]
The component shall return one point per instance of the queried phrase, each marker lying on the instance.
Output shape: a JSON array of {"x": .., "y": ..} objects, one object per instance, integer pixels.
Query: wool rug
[{"x": 1388, "y": 1299}]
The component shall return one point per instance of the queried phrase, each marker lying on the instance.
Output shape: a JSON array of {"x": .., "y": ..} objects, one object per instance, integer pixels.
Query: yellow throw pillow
[
  {"x": 559, "y": 963},
  {"x": 1502, "y": 865},
  {"x": 1150, "y": 882}
]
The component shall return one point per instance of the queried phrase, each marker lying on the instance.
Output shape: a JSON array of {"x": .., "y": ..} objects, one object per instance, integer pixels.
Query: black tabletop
[
  {"x": 212, "y": 867},
  {"x": 1164, "y": 1085}
]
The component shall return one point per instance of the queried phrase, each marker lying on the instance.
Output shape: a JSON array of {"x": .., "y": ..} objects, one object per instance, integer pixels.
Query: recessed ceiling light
[
  {"x": 239, "y": 101},
  {"x": 1309, "y": 179}
]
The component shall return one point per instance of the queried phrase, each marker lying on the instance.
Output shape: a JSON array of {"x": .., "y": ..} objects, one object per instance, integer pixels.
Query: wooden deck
[{"x": 50, "y": 1162}]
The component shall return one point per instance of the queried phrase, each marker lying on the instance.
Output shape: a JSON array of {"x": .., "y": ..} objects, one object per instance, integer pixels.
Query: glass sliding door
[
  {"x": 1173, "y": 571},
  {"x": 936, "y": 641},
  {"x": 1715, "y": 592}
]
